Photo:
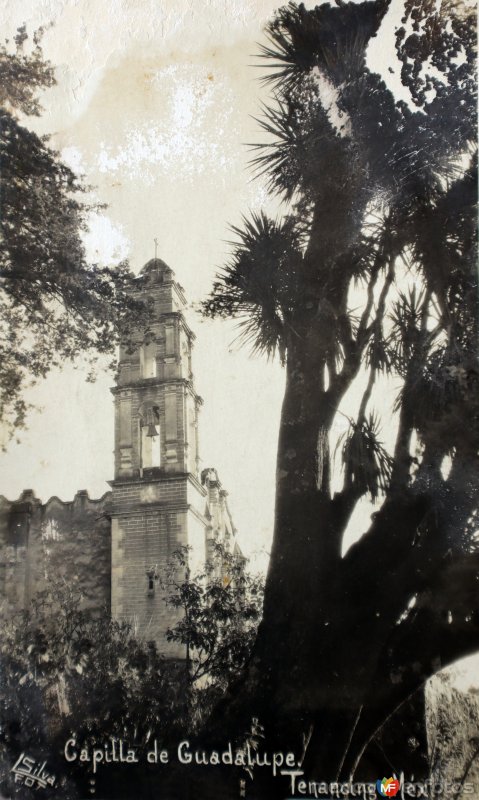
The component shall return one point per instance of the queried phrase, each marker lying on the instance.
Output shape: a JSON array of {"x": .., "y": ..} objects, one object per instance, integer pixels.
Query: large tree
[
  {"x": 369, "y": 275},
  {"x": 54, "y": 305}
]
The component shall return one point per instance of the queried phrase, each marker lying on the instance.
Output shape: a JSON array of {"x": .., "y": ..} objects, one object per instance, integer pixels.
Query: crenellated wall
[{"x": 41, "y": 542}]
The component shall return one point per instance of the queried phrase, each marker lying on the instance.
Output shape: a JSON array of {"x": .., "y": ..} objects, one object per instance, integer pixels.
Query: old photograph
[{"x": 239, "y": 400}]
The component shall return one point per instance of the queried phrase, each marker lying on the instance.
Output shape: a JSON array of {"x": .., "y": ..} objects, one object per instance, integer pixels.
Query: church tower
[
  {"x": 157, "y": 497},
  {"x": 116, "y": 548}
]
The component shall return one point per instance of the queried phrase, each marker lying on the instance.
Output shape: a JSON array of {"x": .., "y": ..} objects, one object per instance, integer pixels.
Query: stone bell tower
[{"x": 157, "y": 497}]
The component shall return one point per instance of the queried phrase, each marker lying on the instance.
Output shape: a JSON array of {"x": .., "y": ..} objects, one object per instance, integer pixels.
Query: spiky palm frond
[
  {"x": 260, "y": 284},
  {"x": 367, "y": 465},
  {"x": 305, "y": 152},
  {"x": 377, "y": 353},
  {"x": 314, "y": 54},
  {"x": 378, "y": 237},
  {"x": 331, "y": 38},
  {"x": 438, "y": 364},
  {"x": 401, "y": 152},
  {"x": 407, "y": 333},
  {"x": 405, "y": 151},
  {"x": 279, "y": 158}
]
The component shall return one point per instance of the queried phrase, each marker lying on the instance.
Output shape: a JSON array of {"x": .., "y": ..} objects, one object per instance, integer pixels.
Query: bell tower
[{"x": 157, "y": 495}]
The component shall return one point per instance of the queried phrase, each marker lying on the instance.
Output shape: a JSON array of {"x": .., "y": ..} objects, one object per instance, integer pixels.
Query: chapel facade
[{"x": 115, "y": 549}]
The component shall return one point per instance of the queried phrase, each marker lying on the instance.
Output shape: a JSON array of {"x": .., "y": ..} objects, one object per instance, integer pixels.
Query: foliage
[
  {"x": 54, "y": 305},
  {"x": 366, "y": 463},
  {"x": 220, "y": 609},
  {"x": 370, "y": 274},
  {"x": 88, "y": 673},
  {"x": 68, "y": 672},
  {"x": 260, "y": 298}
]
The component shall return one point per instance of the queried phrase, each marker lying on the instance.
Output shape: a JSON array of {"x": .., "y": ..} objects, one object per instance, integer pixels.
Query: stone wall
[
  {"x": 150, "y": 521},
  {"x": 453, "y": 732},
  {"x": 44, "y": 542}
]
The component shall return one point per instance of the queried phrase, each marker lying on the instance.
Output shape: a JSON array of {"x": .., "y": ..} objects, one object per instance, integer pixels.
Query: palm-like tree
[{"x": 380, "y": 192}]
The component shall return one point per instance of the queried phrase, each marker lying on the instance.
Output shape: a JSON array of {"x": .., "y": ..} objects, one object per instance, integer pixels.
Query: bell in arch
[
  {"x": 152, "y": 431},
  {"x": 151, "y": 423}
]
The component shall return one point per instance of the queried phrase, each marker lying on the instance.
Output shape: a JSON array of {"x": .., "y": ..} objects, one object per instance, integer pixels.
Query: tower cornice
[
  {"x": 164, "y": 477},
  {"x": 148, "y": 383},
  {"x": 145, "y": 287}
]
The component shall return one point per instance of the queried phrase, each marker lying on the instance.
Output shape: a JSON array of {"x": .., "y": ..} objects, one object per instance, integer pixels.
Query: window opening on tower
[{"x": 150, "y": 438}]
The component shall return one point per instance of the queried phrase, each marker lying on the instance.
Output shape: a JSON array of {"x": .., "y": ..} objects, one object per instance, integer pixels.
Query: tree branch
[{"x": 353, "y": 356}]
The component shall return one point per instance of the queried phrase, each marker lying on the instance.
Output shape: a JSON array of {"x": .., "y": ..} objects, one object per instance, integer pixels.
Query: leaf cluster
[
  {"x": 23, "y": 72},
  {"x": 260, "y": 284},
  {"x": 54, "y": 305},
  {"x": 367, "y": 464},
  {"x": 220, "y": 610},
  {"x": 71, "y": 671},
  {"x": 89, "y": 672}
]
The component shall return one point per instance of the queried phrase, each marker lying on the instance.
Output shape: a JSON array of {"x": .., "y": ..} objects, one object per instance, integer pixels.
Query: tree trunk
[{"x": 317, "y": 662}]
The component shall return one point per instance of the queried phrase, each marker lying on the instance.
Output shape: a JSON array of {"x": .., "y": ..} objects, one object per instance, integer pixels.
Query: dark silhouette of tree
[
  {"x": 54, "y": 306},
  {"x": 369, "y": 273}
]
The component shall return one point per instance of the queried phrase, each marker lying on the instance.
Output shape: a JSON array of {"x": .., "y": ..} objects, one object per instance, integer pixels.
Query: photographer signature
[{"x": 31, "y": 773}]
